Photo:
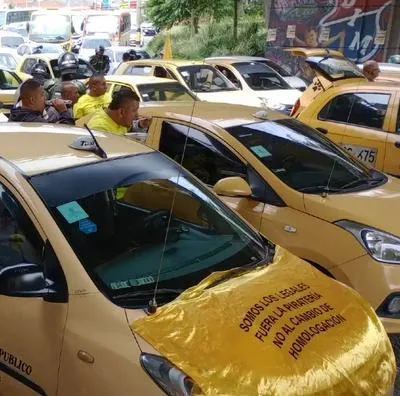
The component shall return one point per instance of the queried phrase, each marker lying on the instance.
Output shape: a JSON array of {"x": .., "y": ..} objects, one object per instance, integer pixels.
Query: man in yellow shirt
[
  {"x": 97, "y": 97},
  {"x": 121, "y": 114}
]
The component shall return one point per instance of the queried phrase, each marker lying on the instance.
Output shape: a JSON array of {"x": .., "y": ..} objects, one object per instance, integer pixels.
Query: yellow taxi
[
  {"x": 203, "y": 80},
  {"x": 101, "y": 296},
  {"x": 9, "y": 83},
  {"x": 297, "y": 188},
  {"x": 50, "y": 61},
  {"x": 151, "y": 89},
  {"x": 361, "y": 116}
]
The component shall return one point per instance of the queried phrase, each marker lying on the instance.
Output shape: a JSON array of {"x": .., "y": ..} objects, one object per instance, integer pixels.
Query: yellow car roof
[
  {"x": 36, "y": 148},
  {"x": 165, "y": 62},
  {"x": 221, "y": 114},
  {"x": 138, "y": 80},
  {"x": 307, "y": 52}
]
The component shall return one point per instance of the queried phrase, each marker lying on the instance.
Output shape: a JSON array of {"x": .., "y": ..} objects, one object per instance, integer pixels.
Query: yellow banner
[{"x": 285, "y": 329}]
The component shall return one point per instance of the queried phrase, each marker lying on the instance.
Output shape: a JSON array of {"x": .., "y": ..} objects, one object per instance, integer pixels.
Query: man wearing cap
[{"x": 100, "y": 62}]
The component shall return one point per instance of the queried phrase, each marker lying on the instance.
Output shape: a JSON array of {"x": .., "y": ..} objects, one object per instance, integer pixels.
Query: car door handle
[
  {"x": 397, "y": 144},
  {"x": 322, "y": 130}
]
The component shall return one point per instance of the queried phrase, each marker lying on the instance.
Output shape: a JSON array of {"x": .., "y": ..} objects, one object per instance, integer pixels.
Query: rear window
[
  {"x": 260, "y": 77},
  {"x": 299, "y": 156},
  {"x": 135, "y": 70},
  {"x": 164, "y": 92},
  {"x": 95, "y": 43},
  {"x": 335, "y": 68}
]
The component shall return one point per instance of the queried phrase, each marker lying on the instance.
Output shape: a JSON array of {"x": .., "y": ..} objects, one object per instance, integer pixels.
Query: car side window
[
  {"x": 135, "y": 70},
  {"x": 28, "y": 64},
  {"x": 204, "y": 156},
  {"x": 229, "y": 75},
  {"x": 20, "y": 242},
  {"x": 118, "y": 87},
  {"x": 364, "y": 109},
  {"x": 8, "y": 80},
  {"x": 210, "y": 160}
]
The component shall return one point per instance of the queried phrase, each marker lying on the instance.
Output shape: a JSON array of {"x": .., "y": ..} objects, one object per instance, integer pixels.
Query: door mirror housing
[
  {"x": 23, "y": 280},
  {"x": 232, "y": 187}
]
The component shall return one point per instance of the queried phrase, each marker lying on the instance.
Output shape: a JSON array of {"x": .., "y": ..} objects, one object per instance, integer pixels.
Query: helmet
[
  {"x": 101, "y": 48},
  {"x": 39, "y": 72},
  {"x": 394, "y": 59},
  {"x": 68, "y": 63}
]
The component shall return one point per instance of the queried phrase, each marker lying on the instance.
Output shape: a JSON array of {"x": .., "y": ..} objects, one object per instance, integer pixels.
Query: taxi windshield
[
  {"x": 304, "y": 159},
  {"x": 136, "y": 219},
  {"x": 204, "y": 78},
  {"x": 164, "y": 92},
  {"x": 260, "y": 77}
]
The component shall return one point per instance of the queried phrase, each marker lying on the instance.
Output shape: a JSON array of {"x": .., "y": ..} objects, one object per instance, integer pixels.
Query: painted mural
[{"x": 355, "y": 27}]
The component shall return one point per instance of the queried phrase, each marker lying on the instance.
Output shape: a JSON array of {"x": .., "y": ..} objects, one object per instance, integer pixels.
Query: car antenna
[
  {"x": 325, "y": 192},
  {"x": 152, "y": 305},
  {"x": 100, "y": 152}
]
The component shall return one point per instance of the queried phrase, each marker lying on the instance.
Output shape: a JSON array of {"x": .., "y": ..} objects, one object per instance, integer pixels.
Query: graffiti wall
[{"x": 355, "y": 27}]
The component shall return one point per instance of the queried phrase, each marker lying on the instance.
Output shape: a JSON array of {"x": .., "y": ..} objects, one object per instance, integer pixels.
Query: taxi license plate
[{"x": 363, "y": 154}]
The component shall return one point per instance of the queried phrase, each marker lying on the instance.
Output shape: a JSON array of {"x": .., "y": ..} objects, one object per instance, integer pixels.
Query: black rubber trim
[{"x": 20, "y": 378}]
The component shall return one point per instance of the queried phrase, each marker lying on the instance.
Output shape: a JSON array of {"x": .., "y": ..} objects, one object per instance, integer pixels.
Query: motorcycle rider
[
  {"x": 68, "y": 67},
  {"x": 100, "y": 62}
]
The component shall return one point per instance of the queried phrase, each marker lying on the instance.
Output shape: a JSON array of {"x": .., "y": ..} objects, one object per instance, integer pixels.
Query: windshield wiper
[
  {"x": 148, "y": 293},
  {"x": 319, "y": 189},
  {"x": 362, "y": 182}
]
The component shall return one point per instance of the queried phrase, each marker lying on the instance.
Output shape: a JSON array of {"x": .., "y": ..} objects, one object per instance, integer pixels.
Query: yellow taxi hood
[
  {"x": 376, "y": 207},
  {"x": 284, "y": 329}
]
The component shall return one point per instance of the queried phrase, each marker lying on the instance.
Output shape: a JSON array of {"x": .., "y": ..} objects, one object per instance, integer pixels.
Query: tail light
[{"x": 295, "y": 108}]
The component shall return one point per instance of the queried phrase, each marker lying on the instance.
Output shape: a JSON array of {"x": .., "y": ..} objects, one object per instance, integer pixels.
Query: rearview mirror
[
  {"x": 232, "y": 187},
  {"x": 22, "y": 280}
]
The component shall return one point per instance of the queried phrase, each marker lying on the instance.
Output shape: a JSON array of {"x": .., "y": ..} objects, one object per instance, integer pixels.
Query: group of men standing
[{"x": 41, "y": 100}]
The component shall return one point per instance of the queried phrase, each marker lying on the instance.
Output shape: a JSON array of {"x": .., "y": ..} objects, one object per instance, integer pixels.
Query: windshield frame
[{"x": 104, "y": 176}]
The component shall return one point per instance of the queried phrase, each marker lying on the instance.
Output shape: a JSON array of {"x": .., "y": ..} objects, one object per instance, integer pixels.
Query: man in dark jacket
[
  {"x": 32, "y": 104},
  {"x": 100, "y": 62}
]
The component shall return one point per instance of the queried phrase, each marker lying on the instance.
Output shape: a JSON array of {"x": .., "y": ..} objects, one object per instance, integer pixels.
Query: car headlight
[
  {"x": 380, "y": 245},
  {"x": 168, "y": 377}
]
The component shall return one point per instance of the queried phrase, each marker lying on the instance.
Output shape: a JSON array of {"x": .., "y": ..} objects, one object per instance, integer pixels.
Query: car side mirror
[
  {"x": 23, "y": 280},
  {"x": 27, "y": 27},
  {"x": 232, "y": 187}
]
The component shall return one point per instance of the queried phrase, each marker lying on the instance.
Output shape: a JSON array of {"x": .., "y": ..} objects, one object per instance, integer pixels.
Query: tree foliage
[{"x": 166, "y": 13}]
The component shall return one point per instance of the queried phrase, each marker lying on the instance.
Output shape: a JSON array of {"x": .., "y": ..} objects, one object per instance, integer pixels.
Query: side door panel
[
  {"x": 31, "y": 330},
  {"x": 392, "y": 153}
]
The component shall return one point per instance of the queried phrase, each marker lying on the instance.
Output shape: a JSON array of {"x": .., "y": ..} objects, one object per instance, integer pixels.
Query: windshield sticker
[
  {"x": 124, "y": 284},
  {"x": 87, "y": 226},
  {"x": 260, "y": 151},
  {"x": 72, "y": 212}
]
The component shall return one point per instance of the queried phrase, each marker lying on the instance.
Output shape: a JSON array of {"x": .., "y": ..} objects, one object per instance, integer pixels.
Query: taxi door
[
  {"x": 368, "y": 125},
  {"x": 392, "y": 152},
  {"x": 32, "y": 322}
]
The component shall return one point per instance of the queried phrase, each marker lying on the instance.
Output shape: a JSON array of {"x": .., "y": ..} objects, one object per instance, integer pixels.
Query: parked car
[
  {"x": 79, "y": 267},
  {"x": 16, "y": 27},
  {"x": 359, "y": 115},
  {"x": 10, "y": 40},
  {"x": 227, "y": 63},
  {"x": 8, "y": 58},
  {"x": 297, "y": 188},
  {"x": 40, "y": 48},
  {"x": 24, "y": 67},
  {"x": 259, "y": 80},
  {"x": 91, "y": 43},
  {"x": 115, "y": 55},
  {"x": 9, "y": 83},
  {"x": 205, "y": 81},
  {"x": 148, "y": 29}
]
